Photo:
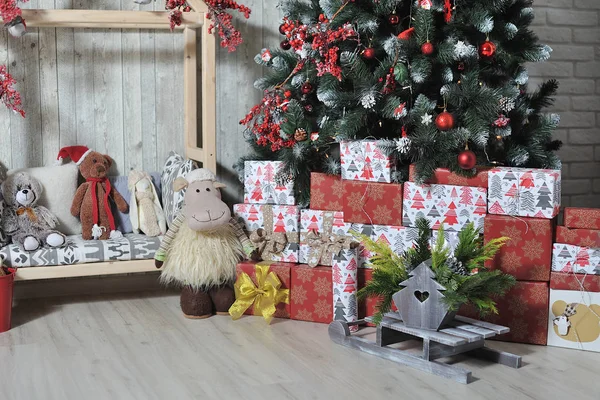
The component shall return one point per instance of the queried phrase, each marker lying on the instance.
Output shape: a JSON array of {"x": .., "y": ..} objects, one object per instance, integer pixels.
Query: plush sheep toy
[
  {"x": 202, "y": 247},
  {"x": 30, "y": 225}
]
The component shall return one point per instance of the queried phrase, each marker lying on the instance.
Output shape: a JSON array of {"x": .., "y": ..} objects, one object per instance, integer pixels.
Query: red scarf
[{"x": 94, "y": 183}]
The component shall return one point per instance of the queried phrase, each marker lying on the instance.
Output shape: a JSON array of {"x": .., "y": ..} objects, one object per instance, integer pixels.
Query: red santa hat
[{"x": 76, "y": 153}]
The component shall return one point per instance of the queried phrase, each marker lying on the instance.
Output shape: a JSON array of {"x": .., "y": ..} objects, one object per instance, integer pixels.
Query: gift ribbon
[
  {"x": 265, "y": 295},
  {"x": 30, "y": 213},
  {"x": 324, "y": 245},
  {"x": 269, "y": 243}
]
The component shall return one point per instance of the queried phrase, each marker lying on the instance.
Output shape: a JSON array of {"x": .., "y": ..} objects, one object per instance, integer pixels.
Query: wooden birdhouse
[{"x": 420, "y": 302}]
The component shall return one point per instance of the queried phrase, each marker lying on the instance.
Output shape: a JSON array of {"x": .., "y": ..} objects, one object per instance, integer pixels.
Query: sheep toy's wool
[{"x": 202, "y": 259}]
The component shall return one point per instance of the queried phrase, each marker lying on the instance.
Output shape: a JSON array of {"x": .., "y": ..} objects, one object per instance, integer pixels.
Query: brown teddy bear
[{"x": 91, "y": 203}]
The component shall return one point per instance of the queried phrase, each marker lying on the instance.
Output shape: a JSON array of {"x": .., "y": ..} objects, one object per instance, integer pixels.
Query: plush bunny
[
  {"x": 145, "y": 211},
  {"x": 29, "y": 224}
]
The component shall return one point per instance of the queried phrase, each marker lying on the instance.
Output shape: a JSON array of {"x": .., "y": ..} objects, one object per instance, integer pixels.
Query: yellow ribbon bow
[
  {"x": 265, "y": 296},
  {"x": 269, "y": 244},
  {"x": 30, "y": 213}
]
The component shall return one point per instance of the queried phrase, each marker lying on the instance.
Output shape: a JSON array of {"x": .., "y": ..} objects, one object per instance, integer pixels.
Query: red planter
[{"x": 6, "y": 295}]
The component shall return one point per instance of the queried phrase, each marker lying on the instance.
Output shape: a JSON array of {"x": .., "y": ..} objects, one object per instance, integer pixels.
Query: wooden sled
[{"x": 463, "y": 335}]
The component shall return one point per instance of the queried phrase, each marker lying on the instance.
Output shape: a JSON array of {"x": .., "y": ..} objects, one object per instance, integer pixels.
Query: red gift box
[
  {"x": 326, "y": 192},
  {"x": 283, "y": 272},
  {"x": 570, "y": 281},
  {"x": 444, "y": 176},
  {"x": 524, "y": 309},
  {"x": 583, "y": 218},
  {"x": 372, "y": 203},
  {"x": 311, "y": 297},
  {"x": 528, "y": 254},
  {"x": 578, "y": 237}
]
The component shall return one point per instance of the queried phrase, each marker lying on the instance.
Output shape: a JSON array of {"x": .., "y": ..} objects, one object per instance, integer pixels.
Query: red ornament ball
[
  {"x": 487, "y": 49},
  {"x": 427, "y": 48},
  {"x": 394, "y": 19},
  {"x": 308, "y": 108},
  {"x": 282, "y": 29},
  {"x": 307, "y": 88},
  {"x": 369, "y": 53},
  {"x": 285, "y": 45},
  {"x": 467, "y": 159},
  {"x": 444, "y": 121}
]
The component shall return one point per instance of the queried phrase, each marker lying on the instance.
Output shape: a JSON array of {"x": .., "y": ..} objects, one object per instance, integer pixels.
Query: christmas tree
[{"x": 431, "y": 76}]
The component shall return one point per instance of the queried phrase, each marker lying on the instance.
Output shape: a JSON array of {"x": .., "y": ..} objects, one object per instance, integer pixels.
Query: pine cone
[
  {"x": 457, "y": 267},
  {"x": 300, "y": 135}
]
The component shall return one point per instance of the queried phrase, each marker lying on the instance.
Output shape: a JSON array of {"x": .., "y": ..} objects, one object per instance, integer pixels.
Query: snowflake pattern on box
[
  {"x": 363, "y": 161},
  {"x": 454, "y": 206},
  {"x": 524, "y": 192},
  {"x": 577, "y": 259},
  {"x": 345, "y": 283},
  {"x": 78, "y": 251},
  {"x": 262, "y": 186},
  {"x": 285, "y": 220},
  {"x": 313, "y": 220}
]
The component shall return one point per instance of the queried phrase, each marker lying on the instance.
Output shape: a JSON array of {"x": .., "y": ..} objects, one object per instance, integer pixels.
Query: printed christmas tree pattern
[
  {"x": 364, "y": 161},
  {"x": 339, "y": 311},
  {"x": 261, "y": 185}
]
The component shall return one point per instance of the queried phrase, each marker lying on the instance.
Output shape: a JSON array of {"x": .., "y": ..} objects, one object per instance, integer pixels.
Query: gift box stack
[
  {"x": 522, "y": 205},
  {"x": 574, "y": 308}
]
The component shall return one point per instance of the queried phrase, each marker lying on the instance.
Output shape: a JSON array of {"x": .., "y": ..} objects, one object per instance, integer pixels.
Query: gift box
[
  {"x": 344, "y": 268},
  {"x": 326, "y": 192},
  {"x": 283, "y": 272},
  {"x": 312, "y": 293},
  {"x": 362, "y": 160},
  {"x": 524, "y": 192},
  {"x": 454, "y": 206},
  {"x": 322, "y": 234},
  {"x": 263, "y": 185},
  {"x": 528, "y": 254},
  {"x": 570, "y": 281},
  {"x": 444, "y": 176},
  {"x": 524, "y": 309},
  {"x": 451, "y": 240},
  {"x": 574, "y": 319},
  {"x": 399, "y": 238},
  {"x": 367, "y": 307},
  {"x": 372, "y": 203},
  {"x": 584, "y": 218},
  {"x": 578, "y": 237},
  {"x": 577, "y": 259},
  {"x": 273, "y": 229}
]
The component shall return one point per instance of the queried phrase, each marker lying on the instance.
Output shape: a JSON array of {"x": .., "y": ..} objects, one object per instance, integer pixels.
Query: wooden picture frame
[{"x": 204, "y": 152}]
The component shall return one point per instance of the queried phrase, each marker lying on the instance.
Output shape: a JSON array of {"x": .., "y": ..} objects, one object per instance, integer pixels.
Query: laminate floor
[{"x": 139, "y": 346}]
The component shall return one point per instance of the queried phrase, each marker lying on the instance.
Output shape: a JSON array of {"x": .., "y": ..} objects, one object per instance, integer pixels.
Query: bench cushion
[{"x": 79, "y": 251}]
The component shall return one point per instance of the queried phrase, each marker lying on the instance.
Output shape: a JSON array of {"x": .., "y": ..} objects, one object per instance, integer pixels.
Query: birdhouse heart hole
[{"x": 421, "y": 296}]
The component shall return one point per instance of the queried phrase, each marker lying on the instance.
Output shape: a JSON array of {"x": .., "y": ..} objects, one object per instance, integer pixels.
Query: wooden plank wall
[{"x": 121, "y": 91}]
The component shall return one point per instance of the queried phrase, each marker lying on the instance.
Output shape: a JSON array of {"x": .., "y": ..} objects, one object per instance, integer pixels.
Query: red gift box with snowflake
[
  {"x": 326, "y": 192},
  {"x": 283, "y": 272},
  {"x": 528, "y": 254},
  {"x": 570, "y": 281},
  {"x": 363, "y": 160},
  {"x": 372, "y": 203},
  {"x": 584, "y": 218},
  {"x": 578, "y": 237},
  {"x": 452, "y": 206},
  {"x": 524, "y": 192},
  {"x": 524, "y": 309},
  {"x": 311, "y": 295},
  {"x": 443, "y": 176},
  {"x": 264, "y": 183}
]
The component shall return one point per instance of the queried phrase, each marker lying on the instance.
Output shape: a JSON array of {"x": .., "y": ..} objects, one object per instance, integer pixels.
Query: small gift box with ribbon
[
  {"x": 528, "y": 253},
  {"x": 262, "y": 289},
  {"x": 583, "y": 218},
  {"x": 453, "y": 206},
  {"x": 362, "y": 160},
  {"x": 577, "y": 259},
  {"x": 323, "y": 234},
  {"x": 524, "y": 192},
  {"x": 578, "y": 237},
  {"x": 373, "y": 203},
  {"x": 273, "y": 229},
  {"x": 265, "y": 184}
]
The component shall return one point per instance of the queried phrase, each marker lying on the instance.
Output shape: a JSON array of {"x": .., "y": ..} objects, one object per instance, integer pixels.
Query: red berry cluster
[
  {"x": 264, "y": 120},
  {"x": 390, "y": 82},
  {"x": 9, "y": 10},
  {"x": 8, "y": 94}
]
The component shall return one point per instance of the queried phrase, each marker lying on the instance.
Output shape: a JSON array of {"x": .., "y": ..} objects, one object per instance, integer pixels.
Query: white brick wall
[{"x": 572, "y": 29}]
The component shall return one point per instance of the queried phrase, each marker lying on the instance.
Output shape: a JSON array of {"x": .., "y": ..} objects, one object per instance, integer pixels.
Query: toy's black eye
[
  {"x": 94, "y": 161},
  {"x": 28, "y": 186},
  {"x": 208, "y": 189},
  {"x": 197, "y": 190}
]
